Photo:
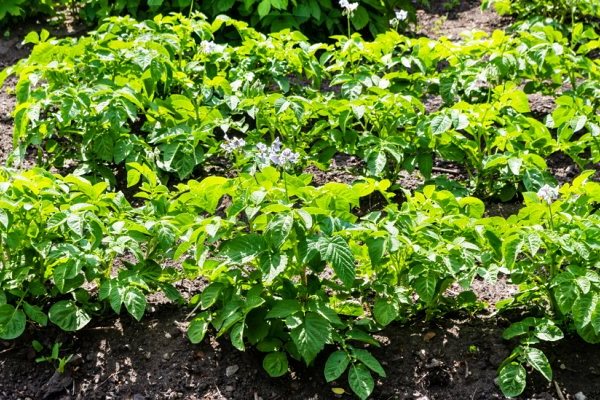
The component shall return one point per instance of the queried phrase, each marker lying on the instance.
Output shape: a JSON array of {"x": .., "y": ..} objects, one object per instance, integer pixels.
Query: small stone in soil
[
  {"x": 580, "y": 396},
  {"x": 231, "y": 370}
]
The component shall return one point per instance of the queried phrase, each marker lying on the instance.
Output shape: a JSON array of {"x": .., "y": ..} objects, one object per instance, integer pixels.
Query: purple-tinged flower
[{"x": 231, "y": 145}]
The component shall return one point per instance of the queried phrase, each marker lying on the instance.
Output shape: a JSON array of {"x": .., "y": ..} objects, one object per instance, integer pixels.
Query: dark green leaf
[
  {"x": 512, "y": 378},
  {"x": 360, "y": 381},
  {"x": 66, "y": 315},
  {"x": 12, "y": 322},
  {"x": 276, "y": 364},
  {"x": 336, "y": 364}
]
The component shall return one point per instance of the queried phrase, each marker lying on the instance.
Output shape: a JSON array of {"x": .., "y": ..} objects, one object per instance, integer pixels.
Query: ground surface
[{"x": 453, "y": 358}]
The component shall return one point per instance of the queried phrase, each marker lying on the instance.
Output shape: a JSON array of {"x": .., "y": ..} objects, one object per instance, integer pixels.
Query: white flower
[
  {"x": 401, "y": 15},
  {"x": 548, "y": 193},
  {"x": 230, "y": 145},
  {"x": 348, "y": 8},
  {"x": 209, "y": 47},
  {"x": 274, "y": 155}
]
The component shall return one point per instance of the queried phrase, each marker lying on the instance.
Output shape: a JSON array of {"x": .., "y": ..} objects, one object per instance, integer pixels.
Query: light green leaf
[{"x": 264, "y": 8}]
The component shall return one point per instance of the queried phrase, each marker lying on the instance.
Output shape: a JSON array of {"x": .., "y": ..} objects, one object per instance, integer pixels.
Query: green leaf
[
  {"x": 440, "y": 124},
  {"x": 533, "y": 243},
  {"x": 517, "y": 329},
  {"x": 537, "y": 359},
  {"x": 311, "y": 336},
  {"x": 360, "y": 18},
  {"x": 35, "y": 314},
  {"x": 367, "y": 359},
  {"x": 360, "y": 381},
  {"x": 154, "y": 4},
  {"x": 272, "y": 265},
  {"x": 565, "y": 295},
  {"x": 376, "y": 248},
  {"x": 512, "y": 379},
  {"x": 335, "y": 250},
  {"x": 385, "y": 312},
  {"x": 583, "y": 309},
  {"x": 276, "y": 364},
  {"x": 237, "y": 336},
  {"x": 210, "y": 295},
  {"x": 426, "y": 284},
  {"x": 278, "y": 230},
  {"x": 425, "y": 163},
  {"x": 12, "y": 322},
  {"x": 577, "y": 123},
  {"x": 336, "y": 364},
  {"x": 198, "y": 327},
  {"x": 264, "y": 8},
  {"x": 243, "y": 249},
  {"x": 135, "y": 302},
  {"x": 376, "y": 163},
  {"x": 67, "y": 316},
  {"x": 284, "y": 308},
  {"x": 514, "y": 164}
]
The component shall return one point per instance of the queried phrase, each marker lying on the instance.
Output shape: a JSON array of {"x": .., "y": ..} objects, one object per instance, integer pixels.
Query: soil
[{"x": 455, "y": 357}]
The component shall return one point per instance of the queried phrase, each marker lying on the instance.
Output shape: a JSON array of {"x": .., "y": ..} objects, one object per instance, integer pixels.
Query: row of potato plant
[
  {"x": 295, "y": 269},
  {"x": 164, "y": 94}
]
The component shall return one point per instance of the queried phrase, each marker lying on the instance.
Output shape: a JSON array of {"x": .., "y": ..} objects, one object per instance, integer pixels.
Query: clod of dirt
[
  {"x": 231, "y": 370},
  {"x": 56, "y": 384}
]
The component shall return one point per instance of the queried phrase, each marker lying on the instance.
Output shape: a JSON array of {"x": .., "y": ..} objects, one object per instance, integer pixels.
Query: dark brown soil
[
  {"x": 442, "y": 20},
  {"x": 453, "y": 358},
  {"x": 119, "y": 358}
]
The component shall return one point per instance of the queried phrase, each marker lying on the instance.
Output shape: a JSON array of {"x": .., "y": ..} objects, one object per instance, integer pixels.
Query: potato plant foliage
[{"x": 140, "y": 112}]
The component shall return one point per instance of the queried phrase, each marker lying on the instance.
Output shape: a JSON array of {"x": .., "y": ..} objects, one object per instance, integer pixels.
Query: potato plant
[{"x": 136, "y": 115}]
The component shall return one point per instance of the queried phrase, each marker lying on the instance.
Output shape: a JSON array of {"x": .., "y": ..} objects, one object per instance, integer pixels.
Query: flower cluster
[
  {"x": 347, "y": 7},
  {"x": 275, "y": 155},
  {"x": 210, "y": 47},
  {"x": 548, "y": 193},
  {"x": 232, "y": 144}
]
